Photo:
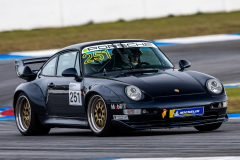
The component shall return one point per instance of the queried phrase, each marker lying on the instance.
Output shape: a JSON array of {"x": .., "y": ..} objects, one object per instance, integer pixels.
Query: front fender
[
  {"x": 35, "y": 95},
  {"x": 111, "y": 90},
  {"x": 107, "y": 94},
  {"x": 202, "y": 78}
]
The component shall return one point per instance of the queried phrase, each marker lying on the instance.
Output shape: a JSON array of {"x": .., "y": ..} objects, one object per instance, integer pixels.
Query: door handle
[{"x": 51, "y": 85}]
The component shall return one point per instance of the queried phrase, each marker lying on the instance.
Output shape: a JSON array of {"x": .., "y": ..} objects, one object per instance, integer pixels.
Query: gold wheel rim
[
  {"x": 26, "y": 114},
  {"x": 23, "y": 113},
  {"x": 100, "y": 113}
]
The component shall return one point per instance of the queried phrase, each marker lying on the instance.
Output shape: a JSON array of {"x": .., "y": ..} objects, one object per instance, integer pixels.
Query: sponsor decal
[
  {"x": 186, "y": 112},
  {"x": 100, "y": 47},
  {"x": 138, "y": 44},
  {"x": 164, "y": 113},
  {"x": 117, "y": 45},
  {"x": 75, "y": 86},
  {"x": 118, "y": 106},
  {"x": 120, "y": 117},
  {"x": 176, "y": 90}
]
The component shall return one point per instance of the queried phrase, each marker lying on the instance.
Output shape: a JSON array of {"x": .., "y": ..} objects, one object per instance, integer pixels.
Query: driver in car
[
  {"x": 134, "y": 60},
  {"x": 132, "y": 55},
  {"x": 135, "y": 57}
]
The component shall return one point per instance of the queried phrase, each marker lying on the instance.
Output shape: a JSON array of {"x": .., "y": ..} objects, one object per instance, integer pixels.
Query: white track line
[
  {"x": 201, "y": 39},
  {"x": 232, "y": 85}
]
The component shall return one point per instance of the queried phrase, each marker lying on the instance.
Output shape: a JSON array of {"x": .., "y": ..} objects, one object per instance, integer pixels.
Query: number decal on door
[
  {"x": 75, "y": 94},
  {"x": 75, "y": 98}
]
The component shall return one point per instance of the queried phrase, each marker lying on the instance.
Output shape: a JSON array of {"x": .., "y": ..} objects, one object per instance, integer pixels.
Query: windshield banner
[{"x": 117, "y": 45}]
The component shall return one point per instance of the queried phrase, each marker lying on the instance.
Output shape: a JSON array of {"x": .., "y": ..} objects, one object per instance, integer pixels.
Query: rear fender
[{"x": 35, "y": 95}]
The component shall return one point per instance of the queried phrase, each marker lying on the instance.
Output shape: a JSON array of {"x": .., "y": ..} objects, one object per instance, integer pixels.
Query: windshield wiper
[{"x": 125, "y": 74}]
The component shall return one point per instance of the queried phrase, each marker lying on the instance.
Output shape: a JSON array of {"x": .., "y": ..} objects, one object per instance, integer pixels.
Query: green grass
[
  {"x": 170, "y": 27},
  {"x": 233, "y": 99}
]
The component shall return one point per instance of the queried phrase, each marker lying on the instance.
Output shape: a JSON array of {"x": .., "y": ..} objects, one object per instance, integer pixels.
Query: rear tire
[
  {"x": 26, "y": 119},
  {"x": 99, "y": 118},
  {"x": 208, "y": 127}
]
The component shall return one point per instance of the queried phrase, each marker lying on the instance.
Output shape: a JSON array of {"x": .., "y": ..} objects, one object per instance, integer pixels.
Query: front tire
[
  {"x": 208, "y": 127},
  {"x": 26, "y": 119},
  {"x": 99, "y": 118}
]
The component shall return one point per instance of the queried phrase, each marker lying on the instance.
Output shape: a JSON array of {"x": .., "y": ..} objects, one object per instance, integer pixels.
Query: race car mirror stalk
[
  {"x": 184, "y": 64},
  {"x": 71, "y": 72}
]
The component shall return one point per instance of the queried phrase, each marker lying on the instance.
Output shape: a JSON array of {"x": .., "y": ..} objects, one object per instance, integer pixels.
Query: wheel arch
[
  {"x": 34, "y": 93},
  {"x": 87, "y": 98},
  {"x": 202, "y": 79},
  {"x": 16, "y": 95},
  {"x": 106, "y": 93}
]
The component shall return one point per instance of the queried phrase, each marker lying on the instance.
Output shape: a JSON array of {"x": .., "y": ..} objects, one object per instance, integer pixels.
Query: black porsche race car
[{"x": 114, "y": 85}]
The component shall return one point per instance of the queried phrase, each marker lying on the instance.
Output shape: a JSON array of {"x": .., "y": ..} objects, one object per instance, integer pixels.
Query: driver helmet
[{"x": 135, "y": 57}]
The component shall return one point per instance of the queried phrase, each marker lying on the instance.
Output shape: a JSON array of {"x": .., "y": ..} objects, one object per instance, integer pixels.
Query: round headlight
[
  {"x": 133, "y": 93},
  {"x": 214, "y": 86}
]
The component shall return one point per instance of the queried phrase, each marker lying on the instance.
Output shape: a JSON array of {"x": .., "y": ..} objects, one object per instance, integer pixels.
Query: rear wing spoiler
[
  {"x": 34, "y": 60},
  {"x": 25, "y": 72}
]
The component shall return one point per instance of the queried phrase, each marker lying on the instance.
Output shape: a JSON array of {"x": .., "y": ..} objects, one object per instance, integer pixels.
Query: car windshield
[{"x": 113, "y": 57}]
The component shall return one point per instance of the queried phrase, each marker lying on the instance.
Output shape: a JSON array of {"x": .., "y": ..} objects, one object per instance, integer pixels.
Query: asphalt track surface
[
  {"x": 219, "y": 59},
  {"x": 158, "y": 143}
]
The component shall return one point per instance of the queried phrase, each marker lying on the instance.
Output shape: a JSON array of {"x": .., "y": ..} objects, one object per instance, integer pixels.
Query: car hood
[{"x": 165, "y": 83}]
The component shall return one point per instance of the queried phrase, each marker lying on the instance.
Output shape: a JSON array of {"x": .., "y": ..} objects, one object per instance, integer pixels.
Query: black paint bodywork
[{"x": 50, "y": 96}]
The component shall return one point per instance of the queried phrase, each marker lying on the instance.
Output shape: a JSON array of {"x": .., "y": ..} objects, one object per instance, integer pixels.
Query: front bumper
[
  {"x": 181, "y": 122},
  {"x": 154, "y": 120}
]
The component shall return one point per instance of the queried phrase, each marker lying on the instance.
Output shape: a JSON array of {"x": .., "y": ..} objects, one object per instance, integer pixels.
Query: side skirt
[{"x": 63, "y": 122}]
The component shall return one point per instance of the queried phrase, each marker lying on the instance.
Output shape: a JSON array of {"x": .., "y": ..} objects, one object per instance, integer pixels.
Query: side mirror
[
  {"x": 184, "y": 64},
  {"x": 71, "y": 72}
]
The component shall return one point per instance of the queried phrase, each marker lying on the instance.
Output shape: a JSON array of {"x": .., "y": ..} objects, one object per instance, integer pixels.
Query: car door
[
  {"x": 43, "y": 78},
  {"x": 65, "y": 102}
]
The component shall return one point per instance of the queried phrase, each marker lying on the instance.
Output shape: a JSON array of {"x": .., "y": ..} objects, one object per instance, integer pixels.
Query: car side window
[
  {"x": 49, "y": 69},
  {"x": 65, "y": 61},
  {"x": 77, "y": 65}
]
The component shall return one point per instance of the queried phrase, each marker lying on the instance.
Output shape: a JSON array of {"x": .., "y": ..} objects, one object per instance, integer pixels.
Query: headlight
[
  {"x": 133, "y": 93},
  {"x": 214, "y": 86}
]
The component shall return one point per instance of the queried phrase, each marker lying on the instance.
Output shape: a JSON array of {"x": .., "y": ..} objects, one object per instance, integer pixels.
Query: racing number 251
[
  {"x": 75, "y": 98},
  {"x": 97, "y": 56}
]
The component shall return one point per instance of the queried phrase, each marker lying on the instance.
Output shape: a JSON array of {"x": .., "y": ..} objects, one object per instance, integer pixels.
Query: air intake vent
[{"x": 216, "y": 105}]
